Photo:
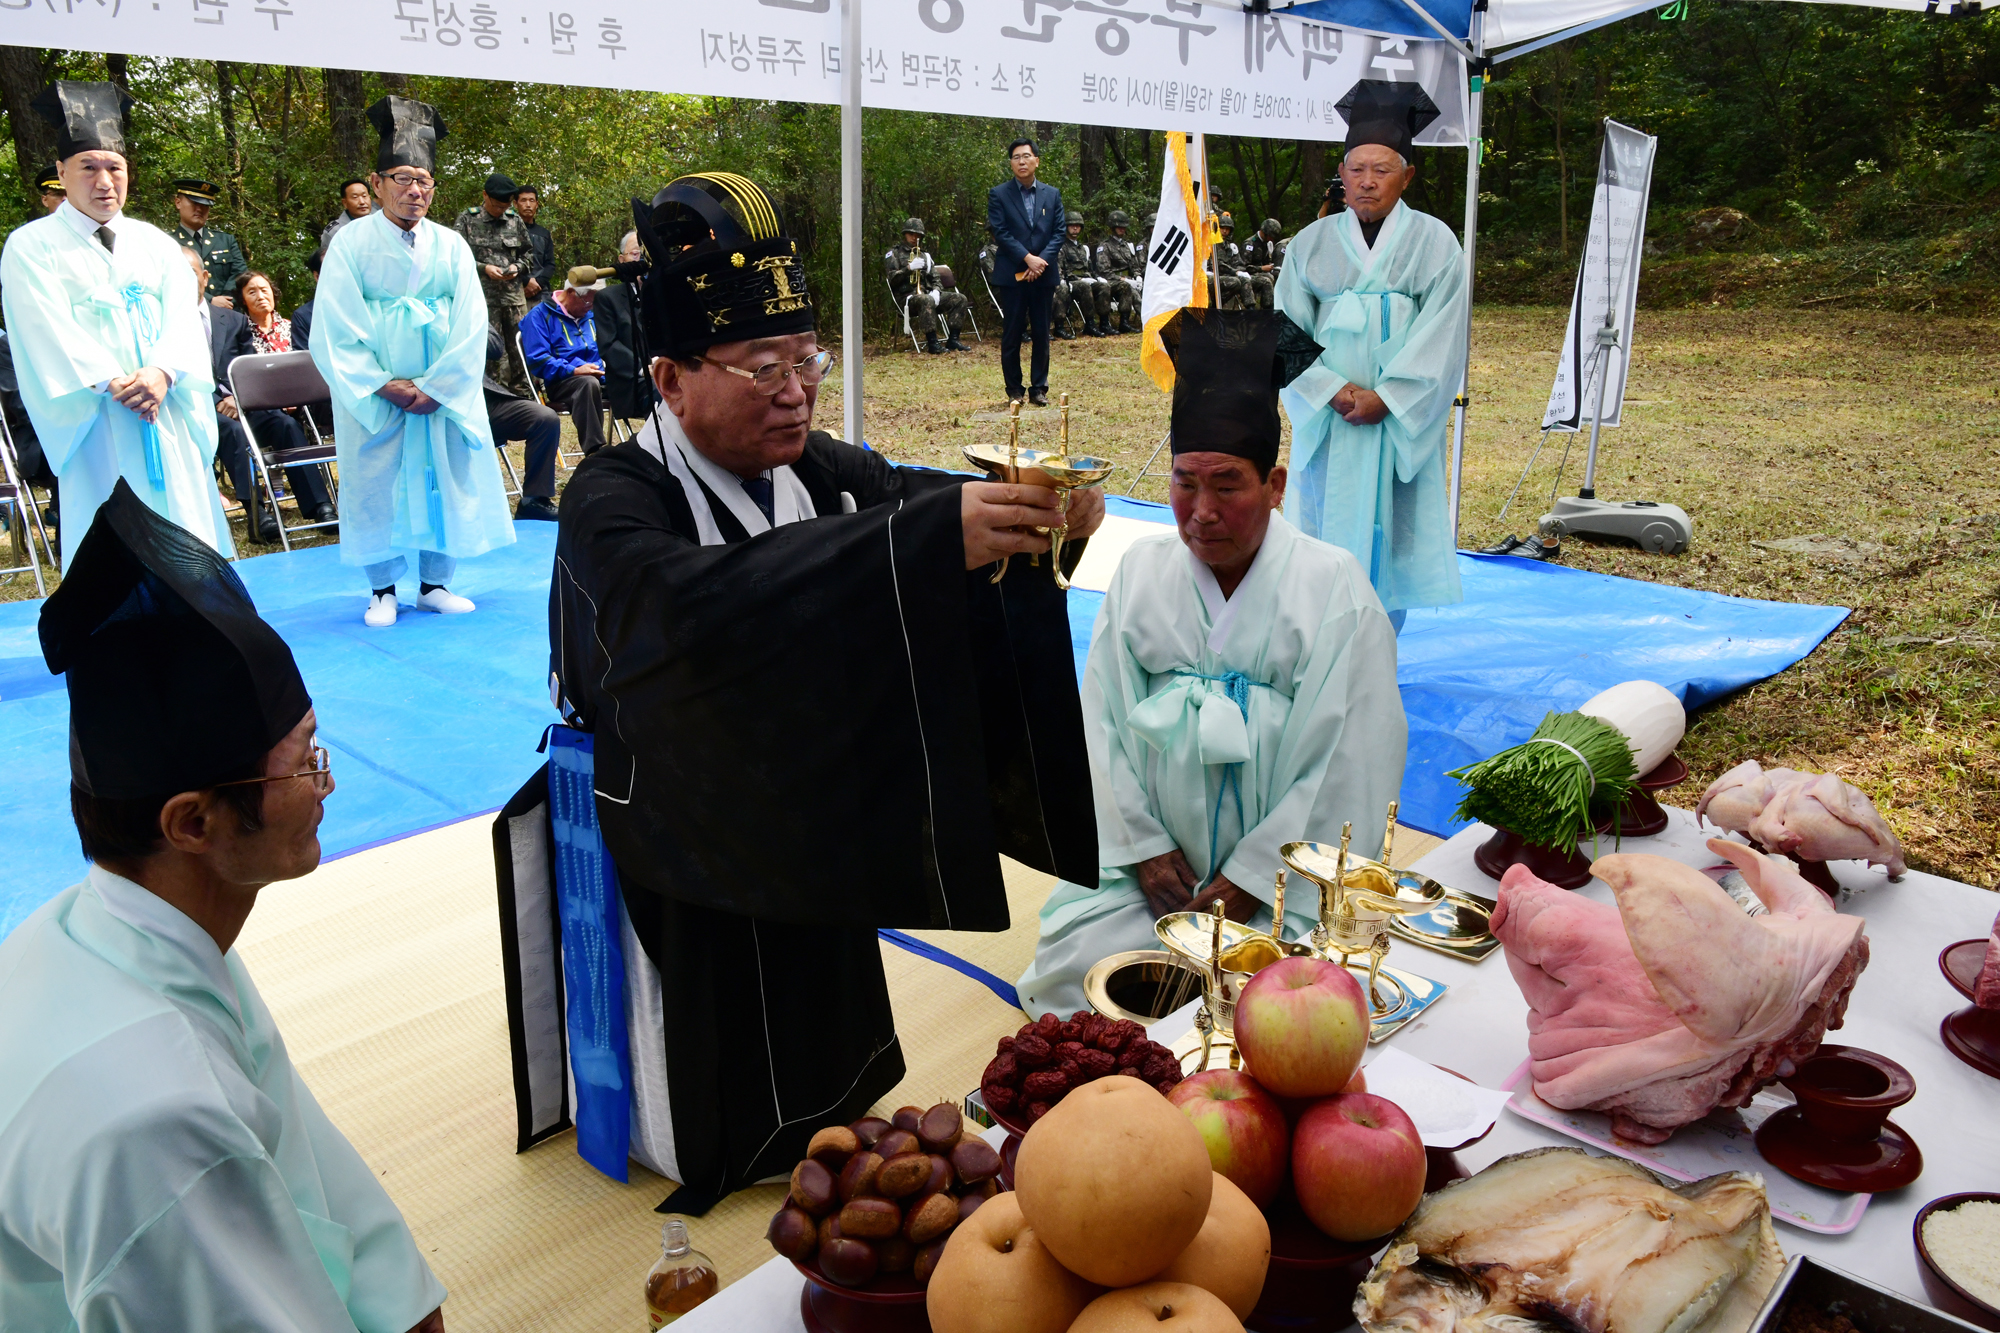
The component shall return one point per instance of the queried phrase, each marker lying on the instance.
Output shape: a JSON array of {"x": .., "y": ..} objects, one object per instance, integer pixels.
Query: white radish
[{"x": 1649, "y": 715}]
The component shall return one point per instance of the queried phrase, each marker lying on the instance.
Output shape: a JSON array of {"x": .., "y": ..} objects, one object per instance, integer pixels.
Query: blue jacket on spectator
[{"x": 555, "y": 344}]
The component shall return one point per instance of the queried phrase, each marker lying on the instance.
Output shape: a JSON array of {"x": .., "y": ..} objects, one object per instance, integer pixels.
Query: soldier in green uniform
[
  {"x": 1263, "y": 256},
  {"x": 220, "y": 254},
  {"x": 913, "y": 281},
  {"x": 1122, "y": 265},
  {"x": 1229, "y": 269},
  {"x": 502, "y": 249},
  {"x": 1079, "y": 281}
]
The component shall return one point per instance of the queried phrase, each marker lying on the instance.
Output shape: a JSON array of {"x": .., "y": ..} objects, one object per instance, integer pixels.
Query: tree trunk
[
  {"x": 1090, "y": 159},
  {"x": 399, "y": 84},
  {"x": 1045, "y": 134},
  {"x": 346, "y": 98},
  {"x": 1111, "y": 137},
  {"x": 225, "y": 101},
  {"x": 1312, "y": 178},
  {"x": 34, "y": 138}
]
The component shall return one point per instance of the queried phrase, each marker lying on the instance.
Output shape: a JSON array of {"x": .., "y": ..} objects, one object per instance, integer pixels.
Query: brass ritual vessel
[
  {"x": 1037, "y": 467},
  {"x": 1359, "y": 899}
]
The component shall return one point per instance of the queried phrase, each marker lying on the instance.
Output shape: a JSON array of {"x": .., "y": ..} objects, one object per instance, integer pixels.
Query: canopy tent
[{"x": 1254, "y": 69}]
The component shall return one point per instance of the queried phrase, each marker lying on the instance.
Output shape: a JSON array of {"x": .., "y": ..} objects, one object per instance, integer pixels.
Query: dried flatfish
[{"x": 1559, "y": 1241}]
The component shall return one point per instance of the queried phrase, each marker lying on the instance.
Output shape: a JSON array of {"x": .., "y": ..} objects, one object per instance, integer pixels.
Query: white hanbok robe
[
  {"x": 1390, "y": 318},
  {"x": 386, "y": 309},
  {"x": 77, "y": 318},
  {"x": 162, "y": 1166},
  {"x": 1225, "y": 728}
]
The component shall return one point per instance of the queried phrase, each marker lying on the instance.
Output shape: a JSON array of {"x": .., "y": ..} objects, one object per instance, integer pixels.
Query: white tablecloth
[{"x": 1480, "y": 1030}]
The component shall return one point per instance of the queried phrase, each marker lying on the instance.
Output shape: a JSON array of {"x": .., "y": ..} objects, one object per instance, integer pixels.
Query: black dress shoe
[
  {"x": 931, "y": 345},
  {"x": 1066, "y": 333},
  {"x": 1038, "y": 397},
  {"x": 1545, "y": 549},
  {"x": 325, "y": 514},
  {"x": 536, "y": 507},
  {"x": 1505, "y": 546},
  {"x": 954, "y": 345},
  {"x": 267, "y": 531}
]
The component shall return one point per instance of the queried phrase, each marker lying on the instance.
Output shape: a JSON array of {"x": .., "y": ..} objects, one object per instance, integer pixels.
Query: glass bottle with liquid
[{"x": 682, "y": 1278}]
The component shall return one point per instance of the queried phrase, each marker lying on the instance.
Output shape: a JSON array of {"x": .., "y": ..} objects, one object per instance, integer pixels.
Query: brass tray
[{"x": 1460, "y": 926}]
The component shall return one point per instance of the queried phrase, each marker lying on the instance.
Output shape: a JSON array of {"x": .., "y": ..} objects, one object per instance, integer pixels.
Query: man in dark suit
[
  {"x": 628, "y": 387},
  {"x": 539, "y": 428},
  {"x": 228, "y": 338},
  {"x": 1026, "y": 218}
]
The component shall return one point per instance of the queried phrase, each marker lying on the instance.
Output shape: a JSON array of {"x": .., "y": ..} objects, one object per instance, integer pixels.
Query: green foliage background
[{"x": 1810, "y": 151}]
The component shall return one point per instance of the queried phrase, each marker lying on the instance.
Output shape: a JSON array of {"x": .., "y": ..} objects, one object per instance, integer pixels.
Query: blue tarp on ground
[{"x": 438, "y": 718}]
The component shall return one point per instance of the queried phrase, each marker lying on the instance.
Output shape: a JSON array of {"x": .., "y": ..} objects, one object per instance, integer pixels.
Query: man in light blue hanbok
[
  {"x": 108, "y": 347},
  {"x": 399, "y": 333},
  {"x": 163, "y": 1167},
  {"x": 1241, "y": 687},
  {"x": 1381, "y": 288}
]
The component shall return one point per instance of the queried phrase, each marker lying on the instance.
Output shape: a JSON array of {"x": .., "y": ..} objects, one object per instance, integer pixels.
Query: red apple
[
  {"x": 1358, "y": 1165},
  {"x": 1294, "y": 1107},
  {"x": 1302, "y": 1025},
  {"x": 1242, "y": 1127}
]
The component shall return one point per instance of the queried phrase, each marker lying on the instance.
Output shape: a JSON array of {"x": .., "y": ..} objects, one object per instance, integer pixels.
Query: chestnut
[
  {"x": 907, "y": 1118},
  {"x": 941, "y": 1175},
  {"x": 969, "y": 1205},
  {"x": 872, "y": 1219},
  {"x": 939, "y": 1128},
  {"x": 851, "y": 1263},
  {"x": 929, "y": 1218},
  {"x": 903, "y": 1176},
  {"x": 868, "y": 1129},
  {"x": 857, "y": 1178},
  {"x": 813, "y": 1188},
  {"x": 897, "y": 1142},
  {"x": 832, "y": 1146},
  {"x": 975, "y": 1161},
  {"x": 895, "y": 1255},
  {"x": 927, "y": 1262},
  {"x": 793, "y": 1234}
]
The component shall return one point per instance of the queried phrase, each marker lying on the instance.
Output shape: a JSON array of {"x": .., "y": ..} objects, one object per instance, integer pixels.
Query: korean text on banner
[{"x": 1145, "y": 64}]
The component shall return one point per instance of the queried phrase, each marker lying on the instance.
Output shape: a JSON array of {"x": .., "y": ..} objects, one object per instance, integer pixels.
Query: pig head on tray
[{"x": 1675, "y": 1002}]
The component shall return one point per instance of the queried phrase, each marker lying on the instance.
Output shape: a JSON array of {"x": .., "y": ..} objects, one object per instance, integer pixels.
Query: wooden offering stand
[
  {"x": 1839, "y": 1136},
  {"x": 1642, "y": 815},
  {"x": 1565, "y": 868},
  {"x": 891, "y": 1303},
  {"x": 1972, "y": 1034}
]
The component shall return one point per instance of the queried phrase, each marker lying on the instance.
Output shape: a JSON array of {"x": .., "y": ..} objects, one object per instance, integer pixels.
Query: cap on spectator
[
  {"x": 500, "y": 187},
  {"x": 588, "y": 278},
  {"x": 49, "y": 179},
  {"x": 197, "y": 189}
]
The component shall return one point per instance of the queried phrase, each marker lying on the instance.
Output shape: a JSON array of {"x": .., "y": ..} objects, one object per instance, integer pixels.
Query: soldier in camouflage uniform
[
  {"x": 1123, "y": 267},
  {"x": 1079, "y": 282},
  {"x": 913, "y": 281},
  {"x": 1229, "y": 269},
  {"x": 504, "y": 252},
  {"x": 219, "y": 251},
  {"x": 1263, "y": 256}
]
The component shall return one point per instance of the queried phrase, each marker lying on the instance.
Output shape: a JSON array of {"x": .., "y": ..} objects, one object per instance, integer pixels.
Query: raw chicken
[
  {"x": 1809, "y": 816},
  {"x": 1738, "y": 796},
  {"x": 1674, "y": 1003},
  {"x": 1817, "y": 817},
  {"x": 1558, "y": 1240},
  {"x": 1986, "y": 988}
]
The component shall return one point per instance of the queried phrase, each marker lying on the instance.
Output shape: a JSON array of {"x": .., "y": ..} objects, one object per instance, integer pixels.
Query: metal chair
[
  {"x": 902, "y": 309},
  {"x": 27, "y": 515},
  {"x": 283, "y": 380}
]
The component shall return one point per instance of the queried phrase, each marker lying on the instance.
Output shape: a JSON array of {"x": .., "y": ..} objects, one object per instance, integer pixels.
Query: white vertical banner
[
  {"x": 1142, "y": 64},
  {"x": 1607, "y": 285}
]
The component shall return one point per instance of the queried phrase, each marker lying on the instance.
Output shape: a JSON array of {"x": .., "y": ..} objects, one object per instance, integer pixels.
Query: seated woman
[
  {"x": 1241, "y": 687},
  {"x": 257, "y": 297}
]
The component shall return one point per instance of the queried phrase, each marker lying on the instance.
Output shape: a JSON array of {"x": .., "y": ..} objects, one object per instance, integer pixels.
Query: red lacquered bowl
[
  {"x": 1972, "y": 1034},
  {"x": 892, "y": 1303},
  {"x": 1944, "y": 1293},
  {"x": 1310, "y": 1285}
]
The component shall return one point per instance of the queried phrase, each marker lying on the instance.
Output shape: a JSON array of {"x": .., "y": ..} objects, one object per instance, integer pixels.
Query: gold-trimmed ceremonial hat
[
  {"x": 721, "y": 267},
  {"x": 197, "y": 189}
]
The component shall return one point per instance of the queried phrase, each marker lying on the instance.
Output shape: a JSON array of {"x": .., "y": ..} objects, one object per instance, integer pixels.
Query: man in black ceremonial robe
[{"x": 813, "y": 712}]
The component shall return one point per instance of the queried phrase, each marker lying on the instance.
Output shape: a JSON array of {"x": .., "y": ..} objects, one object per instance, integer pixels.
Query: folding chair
[
  {"x": 280, "y": 380},
  {"x": 542, "y": 397},
  {"x": 902, "y": 309},
  {"x": 26, "y": 518}
]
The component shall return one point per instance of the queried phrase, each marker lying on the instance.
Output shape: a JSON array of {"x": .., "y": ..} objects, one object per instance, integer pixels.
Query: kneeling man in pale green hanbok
[
  {"x": 1241, "y": 688},
  {"x": 399, "y": 333}
]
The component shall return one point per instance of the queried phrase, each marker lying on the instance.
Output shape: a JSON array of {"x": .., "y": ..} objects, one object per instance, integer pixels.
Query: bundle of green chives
[{"x": 1554, "y": 786}]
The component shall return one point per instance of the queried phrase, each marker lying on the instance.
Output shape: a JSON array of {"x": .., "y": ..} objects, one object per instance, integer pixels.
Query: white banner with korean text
[{"x": 1143, "y": 64}]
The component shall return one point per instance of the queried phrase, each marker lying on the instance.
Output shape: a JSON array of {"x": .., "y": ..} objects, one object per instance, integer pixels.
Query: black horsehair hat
[
  {"x": 721, "y": 268},
  {"x": 410, "y": 132},
  {"x": 1226, "y": 377},
  {"x": 1391, "y": 114},
  {"x": 175, "y": 683},
  {"x": 89, "y": 117}
]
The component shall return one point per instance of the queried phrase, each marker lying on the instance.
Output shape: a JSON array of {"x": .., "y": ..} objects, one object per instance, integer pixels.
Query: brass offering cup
[
  {"x": 1037, "y": 467},
  {"x": 1359, "y": 897}
]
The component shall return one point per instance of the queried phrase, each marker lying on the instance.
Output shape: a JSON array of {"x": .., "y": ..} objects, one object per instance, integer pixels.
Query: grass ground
[{"x": 1880, "y": 428}]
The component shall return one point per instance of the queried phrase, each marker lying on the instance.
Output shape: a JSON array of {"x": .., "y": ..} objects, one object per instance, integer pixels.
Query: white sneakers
[
  {"x": 445, "y": 602},
  {"x": 382, "y": 606}
]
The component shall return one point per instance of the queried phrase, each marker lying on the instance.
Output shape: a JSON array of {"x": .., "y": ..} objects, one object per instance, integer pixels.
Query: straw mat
[{"x": 383, "y": 971}]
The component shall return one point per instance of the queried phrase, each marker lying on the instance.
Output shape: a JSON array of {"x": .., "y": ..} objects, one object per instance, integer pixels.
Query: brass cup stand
[{"x": 1035, "y": 467}]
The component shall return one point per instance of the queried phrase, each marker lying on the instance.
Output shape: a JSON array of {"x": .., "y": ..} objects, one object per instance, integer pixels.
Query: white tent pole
[
  {"x": 1476, "y": 99},
  {"x": 852, "y": 258}
]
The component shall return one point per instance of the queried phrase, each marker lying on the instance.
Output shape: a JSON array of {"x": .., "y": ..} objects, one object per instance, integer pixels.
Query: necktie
[
  {"x": 108, "y": 238},
  {"x": 760, "y": 490}
]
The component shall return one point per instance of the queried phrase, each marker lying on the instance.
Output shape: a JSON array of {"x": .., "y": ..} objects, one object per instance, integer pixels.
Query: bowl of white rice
[{"x": 1958, "y": 1254}]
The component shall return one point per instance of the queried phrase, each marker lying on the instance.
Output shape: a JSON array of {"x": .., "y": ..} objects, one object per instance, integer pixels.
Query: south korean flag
[{"x": 1176, "y": 254}]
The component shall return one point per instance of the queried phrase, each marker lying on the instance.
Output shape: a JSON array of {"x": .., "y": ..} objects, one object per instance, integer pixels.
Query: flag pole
[
  {"x": 852, "y": 256},
  {"x": 1207, "y": 212},
  {"x": 1475, "y": 102}
]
